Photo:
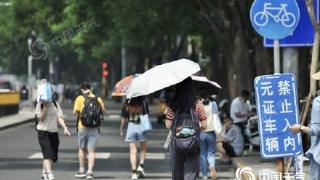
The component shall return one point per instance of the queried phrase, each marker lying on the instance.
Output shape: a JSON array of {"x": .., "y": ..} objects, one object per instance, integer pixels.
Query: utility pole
[
  {"x": 123, "y": 61},
  {"x": 123, "y": 65},
  {"x": 290, "y": 61}
]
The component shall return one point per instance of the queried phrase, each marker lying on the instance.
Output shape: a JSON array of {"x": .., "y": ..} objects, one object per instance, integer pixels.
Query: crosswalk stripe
[
  {"x": 99, "y": 155},
  {"x": 37, "y": 155},
  {"x": 103, "y": 155},
  {"x": 156, "y": 156},
  {"x": 113, "y": 116}
]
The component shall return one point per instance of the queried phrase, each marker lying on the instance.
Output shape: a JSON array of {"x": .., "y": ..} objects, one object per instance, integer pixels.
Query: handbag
[
  {"x": 216, "y": 123},
  {"x": 145, "y": 123}
]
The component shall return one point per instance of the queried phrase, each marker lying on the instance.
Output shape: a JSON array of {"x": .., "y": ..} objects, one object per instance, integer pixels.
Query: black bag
[
  {"x": 36, "y": 118},
  {"x": 186, "y": 143},
  {"x": 91, "y": 115}
]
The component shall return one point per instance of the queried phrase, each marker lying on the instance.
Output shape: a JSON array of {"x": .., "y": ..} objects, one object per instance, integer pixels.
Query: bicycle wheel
[
  {"x": 288, "y": 20},
  {"x": 261, "y": 19}
]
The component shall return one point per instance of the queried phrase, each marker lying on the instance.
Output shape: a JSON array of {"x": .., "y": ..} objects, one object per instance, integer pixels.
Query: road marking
[
  {"x": 114, "y": 116},
  {"x": 99, "y": 155},
  {"x": 103, "y": 155},
  {"x": 37, "y": 155},
  {"x": 156, "y": 156}
]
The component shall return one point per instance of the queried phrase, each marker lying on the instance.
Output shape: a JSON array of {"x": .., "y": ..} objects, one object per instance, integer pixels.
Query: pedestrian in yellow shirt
[{"x": 88, "y": 128}]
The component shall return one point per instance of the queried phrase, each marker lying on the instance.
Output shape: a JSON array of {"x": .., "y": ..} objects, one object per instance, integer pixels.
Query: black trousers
[
  {"x": 49, "y": 143},
  {"x": 184, "y": 166}
]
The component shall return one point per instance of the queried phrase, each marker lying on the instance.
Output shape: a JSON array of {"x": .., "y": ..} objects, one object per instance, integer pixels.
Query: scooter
[{"x": 252, "y": 130}]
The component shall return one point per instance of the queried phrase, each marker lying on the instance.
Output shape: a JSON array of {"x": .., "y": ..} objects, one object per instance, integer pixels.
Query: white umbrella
[{"x": 162, "y": 76}]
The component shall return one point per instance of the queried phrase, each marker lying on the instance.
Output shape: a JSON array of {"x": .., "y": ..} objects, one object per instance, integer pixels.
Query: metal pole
[
  {"x": 290, "y": 63},
  {"x": 276, "y": 65},
  {"x": 276, "y": 53},
  {"x": 29, "y": 81},
  {"x": 123, "y": 61},
  {"x": 123, "y": 64},
  {"x": 51, "y": 71},
  {"x": 29, "y": 67}
]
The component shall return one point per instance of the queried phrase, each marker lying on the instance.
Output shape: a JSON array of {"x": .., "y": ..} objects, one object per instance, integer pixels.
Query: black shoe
[{"x": 140, "y": 171}]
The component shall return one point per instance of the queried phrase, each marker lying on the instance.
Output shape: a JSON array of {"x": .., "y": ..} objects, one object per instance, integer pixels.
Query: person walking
[
  {"x": 312, "y": 130},
  {"x": 183, "y": 116},
  {"x": 208, "y": 139},
  {"x": 132, "y": 111},
  {"x": 89, "y": 110},
  {"x": 48, "y": 115}
]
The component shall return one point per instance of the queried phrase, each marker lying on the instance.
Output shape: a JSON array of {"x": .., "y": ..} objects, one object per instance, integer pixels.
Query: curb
[{"x": 15, "y": 124}]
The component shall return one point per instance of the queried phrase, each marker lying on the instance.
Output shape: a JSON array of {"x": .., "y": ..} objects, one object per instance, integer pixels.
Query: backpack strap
[
  {"x": 54, "y": 103},
  {"x": 145, "y": 108},
  {"x": 78, "y": 114},
  {"x": 175, "y": 120}
]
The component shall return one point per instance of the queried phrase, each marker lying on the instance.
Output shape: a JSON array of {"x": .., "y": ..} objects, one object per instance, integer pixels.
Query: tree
[{"x": 238, "y": 46}]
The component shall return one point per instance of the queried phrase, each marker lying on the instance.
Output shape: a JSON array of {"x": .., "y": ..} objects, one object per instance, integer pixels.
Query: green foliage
[{"x": 145, "y": 26}]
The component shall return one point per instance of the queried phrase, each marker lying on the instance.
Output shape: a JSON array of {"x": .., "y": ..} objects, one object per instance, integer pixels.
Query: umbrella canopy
[
  {"x": 162, "y": 76},
  {"x": 121, "y": 86},
  {"x": 204, "y": 85}
]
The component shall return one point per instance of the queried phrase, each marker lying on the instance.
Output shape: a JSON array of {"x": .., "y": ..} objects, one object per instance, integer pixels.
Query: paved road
[{"x": 20, "y": 156}]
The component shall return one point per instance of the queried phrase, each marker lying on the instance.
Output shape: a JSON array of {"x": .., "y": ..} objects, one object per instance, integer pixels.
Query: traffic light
[{"x": 105, "y": 72}]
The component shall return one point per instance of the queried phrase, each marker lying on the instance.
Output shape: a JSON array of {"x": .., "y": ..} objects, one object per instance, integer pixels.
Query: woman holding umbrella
[
  {"x": 205, "y": 88},
  {"x": 131, "y": 112},
  {"x": 184, "y": 165}
]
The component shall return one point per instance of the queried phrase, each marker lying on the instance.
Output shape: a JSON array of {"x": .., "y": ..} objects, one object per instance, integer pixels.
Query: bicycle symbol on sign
[{"x": 279, "y": 14}]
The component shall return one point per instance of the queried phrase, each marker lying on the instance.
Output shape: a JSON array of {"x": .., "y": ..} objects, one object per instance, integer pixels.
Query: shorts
[
  {"x": 229, "y": 150},
  {"x": 87, "y": 138},
  {"x": 49, "y": 143},
  {"x": 135, "y": 134}
]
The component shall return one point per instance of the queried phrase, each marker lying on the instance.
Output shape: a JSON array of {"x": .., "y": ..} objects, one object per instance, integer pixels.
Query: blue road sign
[
  {"x": 274, "y": 19},
  {"x": 304, "y": 33},
  {"x": 276, "y": 97}
]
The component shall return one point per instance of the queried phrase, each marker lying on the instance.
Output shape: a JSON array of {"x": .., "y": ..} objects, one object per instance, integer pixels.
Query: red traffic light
[{"x": 104, "y": 65}]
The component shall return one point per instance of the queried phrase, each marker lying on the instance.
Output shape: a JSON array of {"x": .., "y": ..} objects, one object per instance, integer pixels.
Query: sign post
[
  {"x": 276, "y": 56},
  {"x": 275, "y": 20}
]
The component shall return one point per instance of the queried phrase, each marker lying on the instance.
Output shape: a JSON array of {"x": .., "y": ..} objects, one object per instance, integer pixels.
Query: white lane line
[
  {"x": 113, "y": 116},
  {"x": 103, "y": 155},
  {"x": 99, "y": 155},
  {"x": 37, "y": 155},
  {"x": 156, "y": 156}
]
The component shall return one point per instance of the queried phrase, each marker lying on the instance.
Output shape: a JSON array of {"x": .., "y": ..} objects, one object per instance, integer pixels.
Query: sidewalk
[
  {"x": 264, "y": 169},
  {"x": 16, "y": 119},
  {"x": 26, "y": 114}
]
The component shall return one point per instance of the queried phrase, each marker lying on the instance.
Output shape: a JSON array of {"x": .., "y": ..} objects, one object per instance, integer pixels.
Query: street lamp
[
  {"x": 31, "y": 80},
  {"x": 29, "y": 60}
]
